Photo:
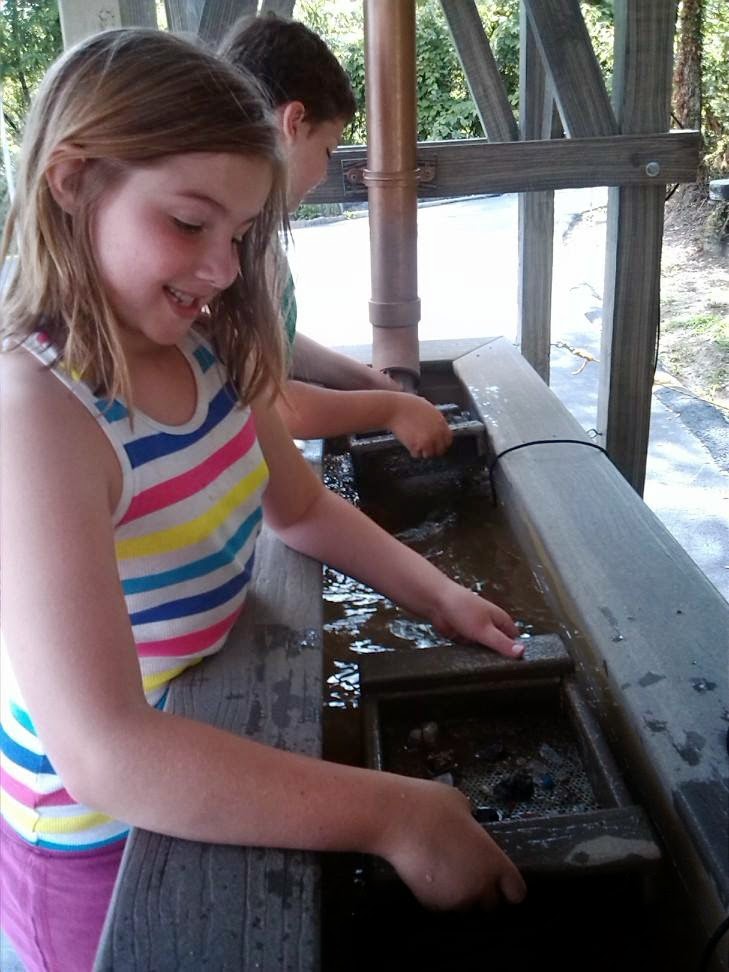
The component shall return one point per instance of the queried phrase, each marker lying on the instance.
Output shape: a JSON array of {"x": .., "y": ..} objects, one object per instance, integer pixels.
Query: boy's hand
[
  {"x": 468, "y": 616},
  {"x": 419, "y": 426},
  {"x": 445, "y": 857}
]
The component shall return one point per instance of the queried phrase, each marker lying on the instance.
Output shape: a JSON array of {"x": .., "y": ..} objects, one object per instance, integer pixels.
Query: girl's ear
[
  {"x": 291, "y": 115},
  {"x": 64, "y": 180}
]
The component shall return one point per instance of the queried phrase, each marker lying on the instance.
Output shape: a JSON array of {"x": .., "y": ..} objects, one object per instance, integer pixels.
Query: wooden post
[
  {"x": 482, "y": 75},
  {"x": 566, "y": 49},
  {"x": 284, "y": 8},
  {"x": 183, "y": 16},
  {"x": 218, "y": 15},
  {"x": 536, "y": 211},
  {"x": 631, "y": 302},
  {"x": 80, "y": 18}
]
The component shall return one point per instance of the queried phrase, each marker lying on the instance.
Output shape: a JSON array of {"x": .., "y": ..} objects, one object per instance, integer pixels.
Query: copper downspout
[{"x": 391, "y": 178}]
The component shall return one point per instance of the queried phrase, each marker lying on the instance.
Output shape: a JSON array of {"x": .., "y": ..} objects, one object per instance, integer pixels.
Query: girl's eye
[{"x": 185, "y": 226}]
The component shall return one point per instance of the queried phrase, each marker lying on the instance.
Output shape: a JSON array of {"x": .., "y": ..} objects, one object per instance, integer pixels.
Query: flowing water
[{"x": 449, "y": 519}]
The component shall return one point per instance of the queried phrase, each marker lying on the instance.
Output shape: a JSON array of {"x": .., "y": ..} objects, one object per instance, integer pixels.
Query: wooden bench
[{"x": 185, "y": 906}]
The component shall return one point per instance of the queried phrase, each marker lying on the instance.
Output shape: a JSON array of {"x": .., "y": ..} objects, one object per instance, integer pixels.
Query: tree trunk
[
  {"x": 687, "y": 73},
  {"x": 687, "y": 87}
]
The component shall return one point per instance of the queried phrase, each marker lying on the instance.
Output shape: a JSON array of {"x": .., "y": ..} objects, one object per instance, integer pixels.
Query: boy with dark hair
[{"x": 313, "y": 100}]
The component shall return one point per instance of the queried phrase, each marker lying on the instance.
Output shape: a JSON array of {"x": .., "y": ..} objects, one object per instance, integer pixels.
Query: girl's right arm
[{"x": 67, "y": 630}]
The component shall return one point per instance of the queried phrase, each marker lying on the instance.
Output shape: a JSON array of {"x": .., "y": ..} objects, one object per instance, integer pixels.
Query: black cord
[
  {"x": 523, "y": 445},
  {"x": 712, "y": 943}
]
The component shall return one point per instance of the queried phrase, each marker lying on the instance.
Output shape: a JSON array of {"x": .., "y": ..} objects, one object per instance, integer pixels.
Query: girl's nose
[{"x": 220, "y": 264}]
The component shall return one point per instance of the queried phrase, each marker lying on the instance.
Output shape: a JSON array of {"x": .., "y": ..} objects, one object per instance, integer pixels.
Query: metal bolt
[{"x": 652, "y": 169}]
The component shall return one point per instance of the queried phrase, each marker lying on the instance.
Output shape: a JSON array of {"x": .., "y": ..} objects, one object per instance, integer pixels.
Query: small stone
[
  {"x": 550, "y": 756},
  {"x": 415, "y": 739},
  {"x": 487, "y": 814},
  {"x": 442, "y": 761},
  {"x": 515, "y": 788},
  {"x": 429, "y": 732},
  {"x": 491, "y": 752}
]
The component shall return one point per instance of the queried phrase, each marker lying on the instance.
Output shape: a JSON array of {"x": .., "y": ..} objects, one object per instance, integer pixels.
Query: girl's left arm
[{"x": 313, "y": 520}]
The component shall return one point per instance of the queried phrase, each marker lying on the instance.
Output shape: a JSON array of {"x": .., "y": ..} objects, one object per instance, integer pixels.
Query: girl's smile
[{"x": 166, "y": 239}]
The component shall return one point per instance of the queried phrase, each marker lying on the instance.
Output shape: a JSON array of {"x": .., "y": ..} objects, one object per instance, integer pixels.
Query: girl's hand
[
  {"x": 419, "y": 426},
  {"x": 470, "y": 617},
  {"x": 447, "y": 859}
]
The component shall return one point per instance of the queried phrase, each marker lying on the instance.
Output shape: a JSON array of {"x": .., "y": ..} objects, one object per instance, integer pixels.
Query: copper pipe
[{"x": 391, "y": 179}]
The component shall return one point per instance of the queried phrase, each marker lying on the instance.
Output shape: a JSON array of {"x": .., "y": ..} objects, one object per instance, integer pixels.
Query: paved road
[{"x": 467, "y": 262}]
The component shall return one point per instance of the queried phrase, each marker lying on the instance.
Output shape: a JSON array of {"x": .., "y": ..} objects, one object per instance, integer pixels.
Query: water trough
[{"x": 646, "y": 638}]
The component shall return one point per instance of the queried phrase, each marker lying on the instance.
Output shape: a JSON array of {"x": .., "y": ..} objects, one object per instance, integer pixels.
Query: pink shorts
[{"x": 53, "y": 903}]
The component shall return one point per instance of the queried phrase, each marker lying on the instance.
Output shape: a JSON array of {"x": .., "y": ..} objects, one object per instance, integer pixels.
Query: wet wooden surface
[{"x": 648, "y": 631}]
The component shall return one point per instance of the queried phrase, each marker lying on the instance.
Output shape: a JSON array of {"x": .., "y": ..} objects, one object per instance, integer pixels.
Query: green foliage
[
  {"x": 445, "y": 108},
  {"x": 30, "y": 39},
  {"x": 715, "y": 87}
]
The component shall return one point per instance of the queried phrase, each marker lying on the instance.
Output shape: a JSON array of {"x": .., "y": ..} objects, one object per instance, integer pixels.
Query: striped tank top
[{"x": 185, "y": 532}]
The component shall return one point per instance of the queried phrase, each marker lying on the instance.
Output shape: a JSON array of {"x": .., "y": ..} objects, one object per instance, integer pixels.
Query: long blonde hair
[{"x": 120, "y": 98}]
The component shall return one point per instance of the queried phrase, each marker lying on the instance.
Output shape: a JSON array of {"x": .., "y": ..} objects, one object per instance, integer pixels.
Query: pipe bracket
[{"x": 355, "y": 175}]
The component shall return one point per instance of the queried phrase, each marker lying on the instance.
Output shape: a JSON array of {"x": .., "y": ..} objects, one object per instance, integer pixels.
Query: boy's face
[{"x": 308, "y": 149}]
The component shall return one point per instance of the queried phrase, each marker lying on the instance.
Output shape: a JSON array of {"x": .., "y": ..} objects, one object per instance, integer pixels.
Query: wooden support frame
[
  {"x": 566, "y": 50},
  {"x": 479, "y": 66},
  {"x": 536, "y": 211},
  {"x": 183, "y": 16},
  {"x": 218, "y": 15},
  {"x": 631, "y": 300},
  {"x": 476, "y": 166}
]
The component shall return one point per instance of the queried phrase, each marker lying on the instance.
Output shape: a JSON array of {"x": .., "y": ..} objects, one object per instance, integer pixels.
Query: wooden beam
[
  {"x": 218, "y": 15},
  {"x": 80, "y": 18},
  {"x": 631, "y": 302},
  {"x": 482, "y": 75},
  {"x": 474, "y": 166},
  {"x": 184, "y": 15},
  {"x": 567, "y": 53},
  {"x": 138, "y": 13},
  {"x": 284, "y": 8},
  {"x": 536, "y": 211}
]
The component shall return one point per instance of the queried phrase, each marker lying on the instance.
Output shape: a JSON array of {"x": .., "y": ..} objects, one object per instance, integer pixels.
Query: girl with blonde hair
[{"x": 140, "y": 447}]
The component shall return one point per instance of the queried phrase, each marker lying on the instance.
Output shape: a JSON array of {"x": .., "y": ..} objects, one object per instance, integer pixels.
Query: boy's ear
[
  {"x": 64, "y": 180},
  {"x": 291, "y": 116}
]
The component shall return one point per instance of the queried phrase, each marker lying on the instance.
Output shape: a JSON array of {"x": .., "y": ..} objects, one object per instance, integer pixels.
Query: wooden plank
[
  {"x": 185, "y": 905},
  {"x": 479, "y": 66},
  {"x": 536, "y": 211},
  {"x": 473, "y": 166},
  {"x": 284, "y": 8},
  {"x": 631, "y": 303},
  {"x": 643, "y": 624},
  {"x": 409, "y": 671},
  {"x": 567, "y": 53},
  {"x": 80, "y": 18},
  {"x": 138, "y": 13},
  {"x": 218, "y": 15},
  {"x": 601, "y": 841},
  {"x": 184, "y": 15}
]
